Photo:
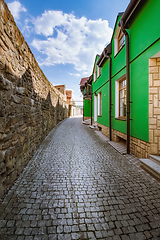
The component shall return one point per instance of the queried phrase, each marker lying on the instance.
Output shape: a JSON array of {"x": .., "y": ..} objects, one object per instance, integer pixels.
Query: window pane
[
  {"x": 122, "y": 93},
  {"x": 121, "y": 102},
  {"x": 122, "y": 98},
  {"x": 121, "y": 84}
]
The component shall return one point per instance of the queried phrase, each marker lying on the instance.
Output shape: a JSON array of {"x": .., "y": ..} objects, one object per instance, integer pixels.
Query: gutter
[{"x": 128, "y": 12}]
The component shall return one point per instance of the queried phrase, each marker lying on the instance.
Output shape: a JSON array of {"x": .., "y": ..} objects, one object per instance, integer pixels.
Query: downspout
[
  {"x": 110, "y": 99},
  {"x": 91, "y": 102},
  {"x": 128, "y": 84}
]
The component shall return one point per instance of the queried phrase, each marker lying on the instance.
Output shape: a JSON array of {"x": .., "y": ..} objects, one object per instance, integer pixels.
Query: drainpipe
[
  {"x": 128, "y": 84},
  {"x": 91, "y": 101},
  {"x": 110, "y": 99}
]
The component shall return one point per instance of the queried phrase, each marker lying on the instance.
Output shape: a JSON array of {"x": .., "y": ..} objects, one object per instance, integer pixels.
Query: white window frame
[
  {"x": 95, "y": 108},
  {"x": 100, "y": 104},
  {"x": 116, "y": 50},
  {"x": 117, "y": 97},
  {"x": 95, "y": 74}
]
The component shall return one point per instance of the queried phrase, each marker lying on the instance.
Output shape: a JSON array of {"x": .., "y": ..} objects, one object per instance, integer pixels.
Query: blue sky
[{"x": 66, "y": 35}]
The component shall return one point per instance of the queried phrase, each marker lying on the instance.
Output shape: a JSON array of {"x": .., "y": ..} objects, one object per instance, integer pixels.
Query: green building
[
  {"x": 126, "y": 80},
  {"x": 86, "y": 90}
]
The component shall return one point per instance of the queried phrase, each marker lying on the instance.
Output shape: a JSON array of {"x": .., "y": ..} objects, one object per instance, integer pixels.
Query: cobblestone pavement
[{"x": 77, "y": 186}]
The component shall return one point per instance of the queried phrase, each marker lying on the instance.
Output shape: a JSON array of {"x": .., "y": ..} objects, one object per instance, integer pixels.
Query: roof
[
  {"x": 83, "y": 81},
  {"x": 107, "y": 50},
  {"x": 132, "y": 6}
]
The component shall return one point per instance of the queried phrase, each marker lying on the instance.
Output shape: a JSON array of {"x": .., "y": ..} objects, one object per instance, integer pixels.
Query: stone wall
[
  {"x": 29, "y": 105},
  {"x": 154, "y": 105}
]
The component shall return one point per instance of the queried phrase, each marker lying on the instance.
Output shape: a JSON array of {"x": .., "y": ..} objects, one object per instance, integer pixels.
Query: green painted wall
[
  {"x": 144, "y": 35},
  {"x": 87, "y": 108}
]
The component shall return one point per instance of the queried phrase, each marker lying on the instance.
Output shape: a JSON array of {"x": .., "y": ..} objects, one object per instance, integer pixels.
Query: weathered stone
[
  {"x": 20, "y": 90},
  {"x": 2, "y": 156},
  {"x": 4, "y": 83},
  {"x": 28, "y": 102},
  {"x": 16, "y": 99},
  {"x": 1, "y": 190}
]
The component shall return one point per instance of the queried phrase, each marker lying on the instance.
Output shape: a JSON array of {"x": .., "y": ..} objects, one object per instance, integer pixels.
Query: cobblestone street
[{"x": 77, "y": 186}]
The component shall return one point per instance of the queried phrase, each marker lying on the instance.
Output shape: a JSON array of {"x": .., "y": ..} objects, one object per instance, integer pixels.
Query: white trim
[
  {"x": 95, "y": 108},
  {"x": 99, "y": 104},
  {"x": 117, "y": 99},
  {"x": 116, "y": 40}
]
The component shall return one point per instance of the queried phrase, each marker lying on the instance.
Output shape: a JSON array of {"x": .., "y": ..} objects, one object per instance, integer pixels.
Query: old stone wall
[
  {"x": 154, "y": 105},
  {"x": 29, "y": 105}
]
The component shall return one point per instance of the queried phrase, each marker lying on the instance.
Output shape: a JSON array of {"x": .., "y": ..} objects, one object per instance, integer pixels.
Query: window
[
  {"x": 120, "y": 103},
  {"x": 122, "y": 98},
  {"x": 121, "y": 40},
  {"x": 99, "y": 104},
  {"x": 97, "y": 72}
]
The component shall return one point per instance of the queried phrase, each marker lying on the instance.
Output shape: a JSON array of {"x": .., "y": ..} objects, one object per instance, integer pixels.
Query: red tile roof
[{"x": 84, "y": 80}]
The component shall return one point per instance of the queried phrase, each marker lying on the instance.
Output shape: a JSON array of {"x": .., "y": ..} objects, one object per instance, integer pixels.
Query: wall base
[{"x": 139, "y": 148}]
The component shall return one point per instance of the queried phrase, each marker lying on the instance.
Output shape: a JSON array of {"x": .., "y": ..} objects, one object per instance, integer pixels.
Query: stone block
[
  {"x": 155, "y": 76},
  {"x": 1, "y": 190},
  {"x": 157, "y": 111},
  {"x": 16, "y": 99},
  {"x": 9, "y": 69},
  {"x": 153, "y": 69},
  {"x": 2, "y": 155},
  {"x": 150, "y": 80},
  {"x": 153, "y": 148},
  {"x": 159, "y": 143},
  {"x": 156, "y": 83},
  {"x": 20, "y": 90},
  {"x": 2, "y": 167},
  {"x": 155, "y": 102},
  {"x": 152, "y": 121},
  {"x": 157, "y": 133},
  {"x": 153, "y": 90},
  {"x": 4, "y": 83},
  {"x": 152, "y": 62}
]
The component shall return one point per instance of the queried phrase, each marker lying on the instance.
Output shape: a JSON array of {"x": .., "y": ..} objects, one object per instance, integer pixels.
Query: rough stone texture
[
  {"x": 154, "y": 105},
  {"x": 77, "y": 186},
  {"x": 29, "y": 105}
]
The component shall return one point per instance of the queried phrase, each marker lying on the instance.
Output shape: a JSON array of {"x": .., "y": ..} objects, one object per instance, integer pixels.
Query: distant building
[
  {"x": 61, "y": 88},
  {"x": 86, "y": 90},
  {"x": 69, "y": 97},
  {"x": 72, "y": 109}
]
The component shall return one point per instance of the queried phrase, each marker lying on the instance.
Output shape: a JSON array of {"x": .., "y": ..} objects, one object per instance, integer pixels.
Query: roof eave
[{"x": 128, "y": 12}]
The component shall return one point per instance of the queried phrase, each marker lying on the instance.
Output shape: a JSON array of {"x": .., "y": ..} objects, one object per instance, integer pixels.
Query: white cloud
[
  {"x": 16, "y": 8},
  {"x": 71, "y": 40},
  {"x": 75, "y": 74}
]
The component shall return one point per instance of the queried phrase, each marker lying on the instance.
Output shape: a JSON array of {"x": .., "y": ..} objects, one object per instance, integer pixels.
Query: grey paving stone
[{"x": 77, "y": 186}]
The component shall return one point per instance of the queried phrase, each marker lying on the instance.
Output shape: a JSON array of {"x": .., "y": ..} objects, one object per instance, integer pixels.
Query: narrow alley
[{"x": 77, "y": 186}]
